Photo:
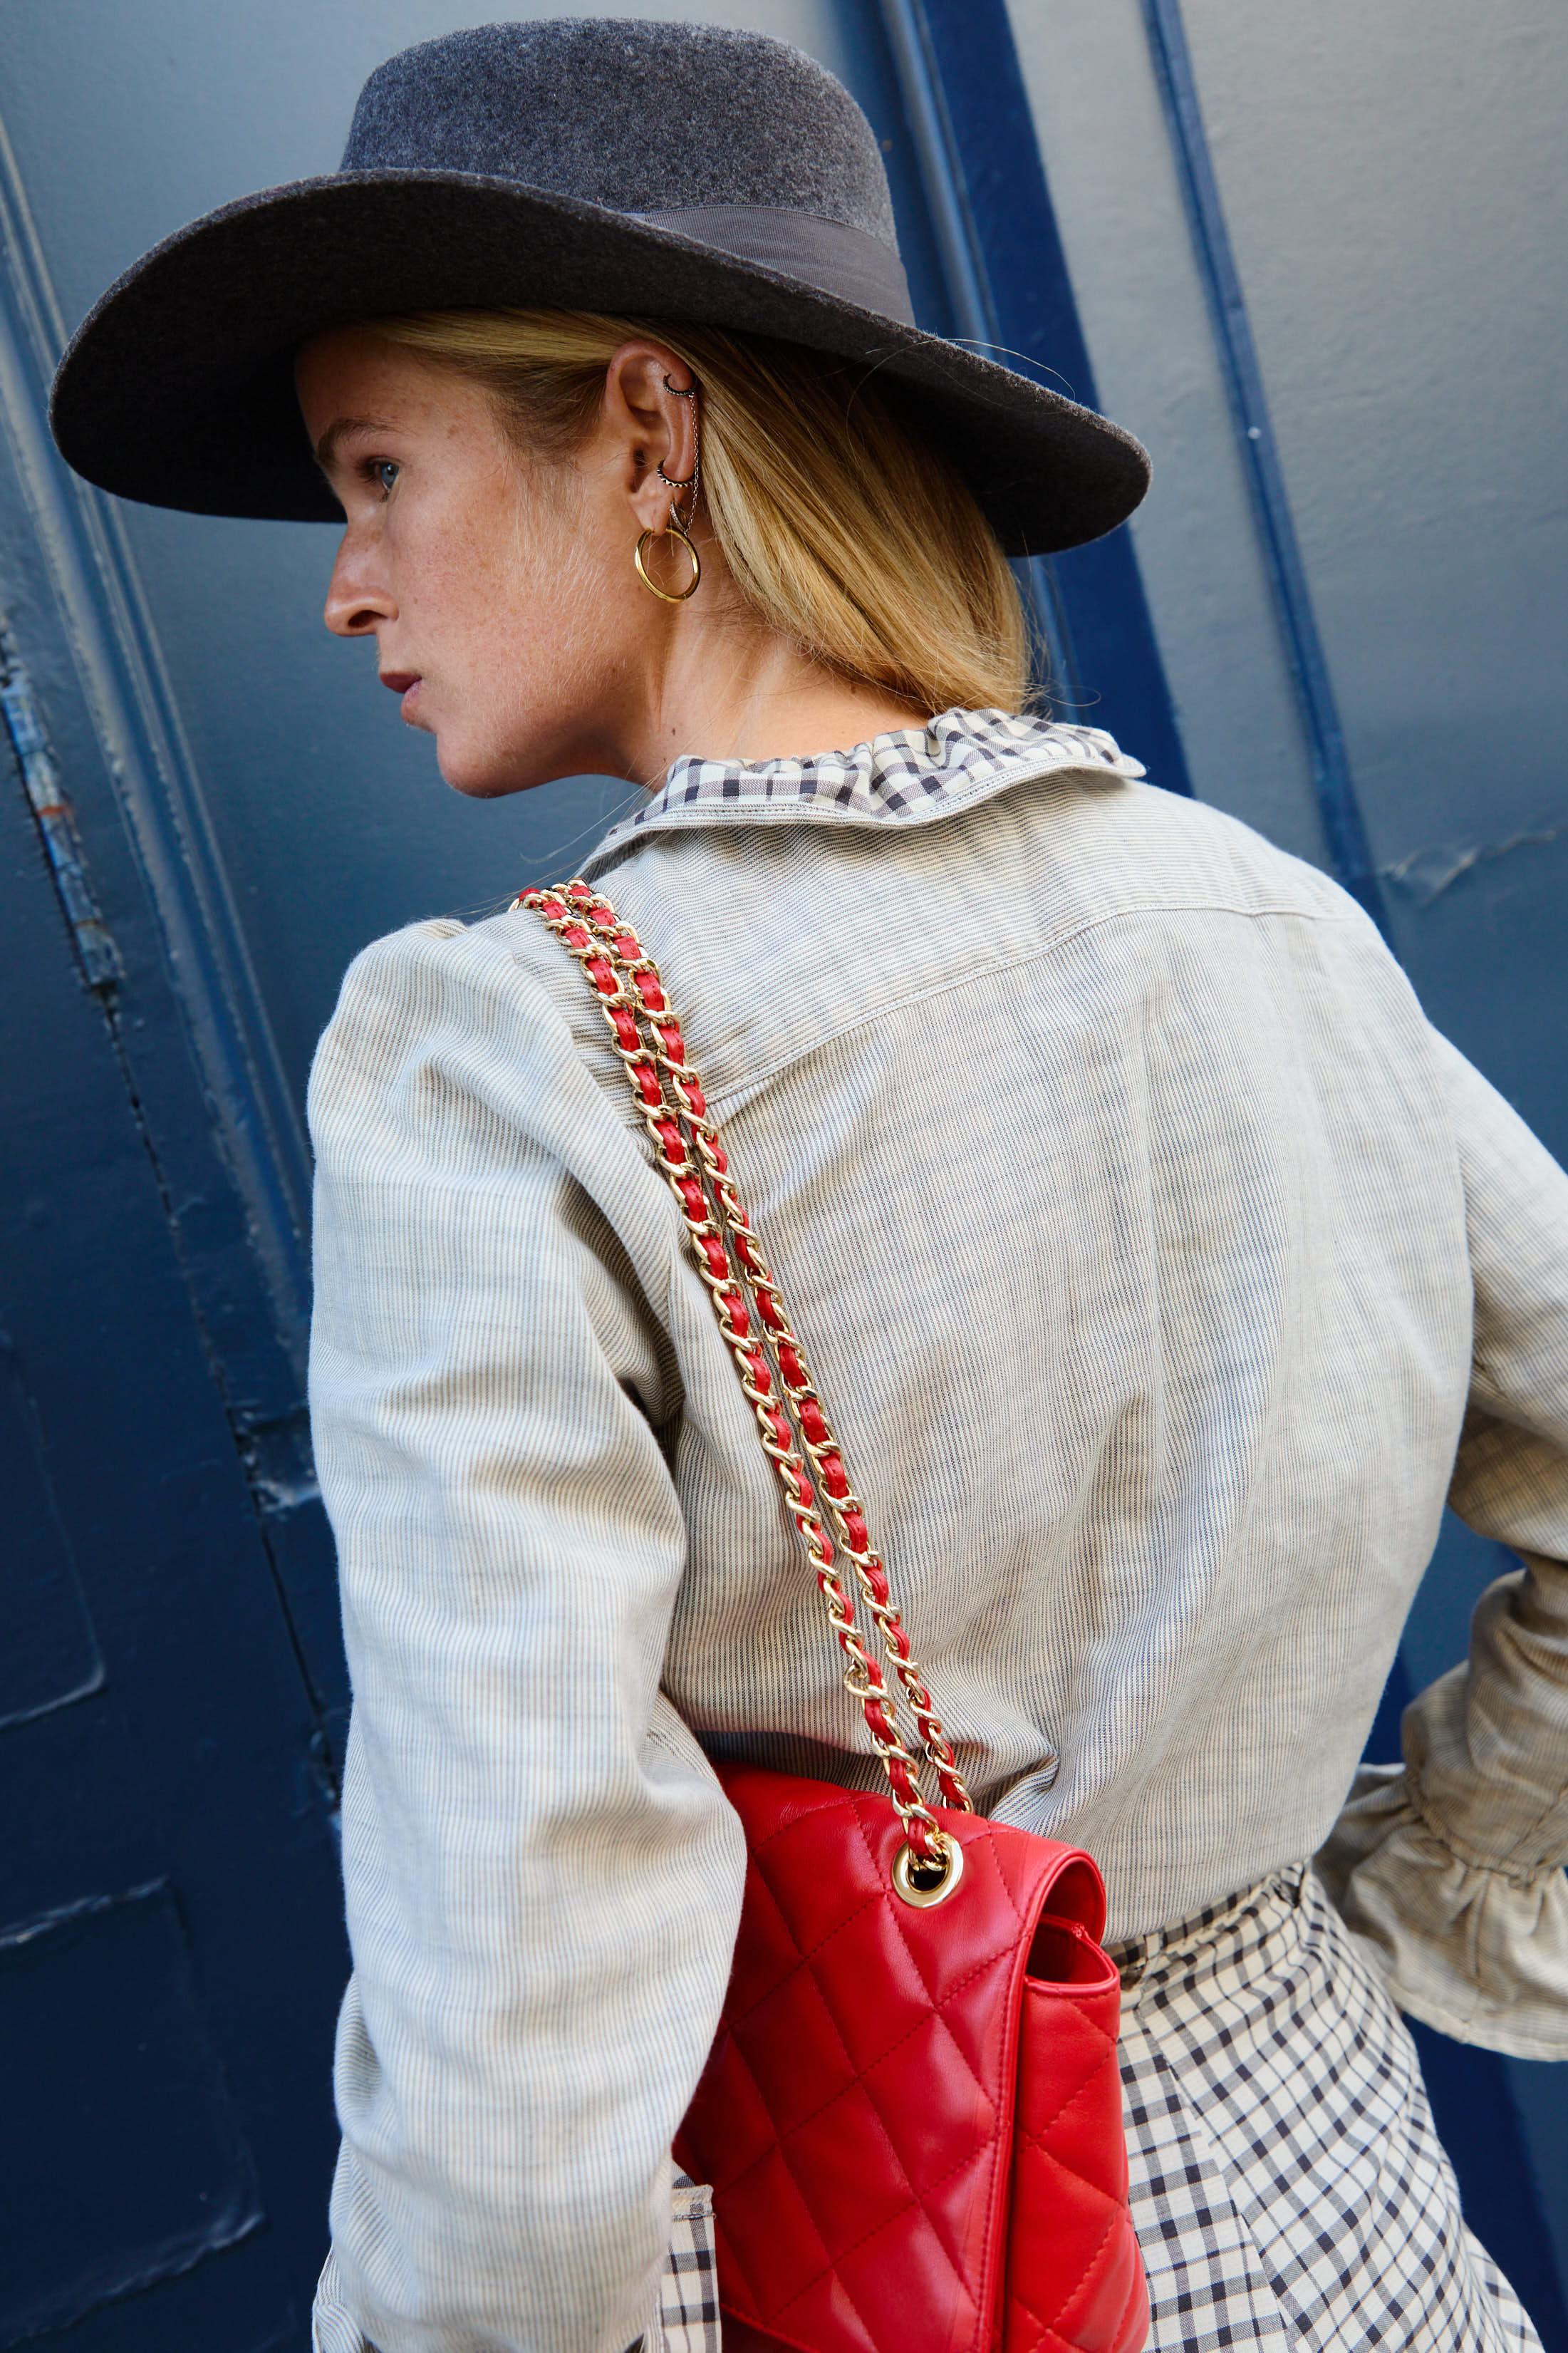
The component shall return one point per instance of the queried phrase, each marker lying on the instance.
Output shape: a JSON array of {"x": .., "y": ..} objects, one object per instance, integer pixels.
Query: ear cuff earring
[
  {"x": 685, "y": 392},
  {"x": 674, "y": 528}
]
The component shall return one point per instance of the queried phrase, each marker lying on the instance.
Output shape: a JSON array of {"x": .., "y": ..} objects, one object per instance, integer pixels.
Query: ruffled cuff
[{"x": 1478, "y": 1953}]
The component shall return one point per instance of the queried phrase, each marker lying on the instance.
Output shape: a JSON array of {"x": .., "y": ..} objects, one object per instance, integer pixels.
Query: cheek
[
  {"x": 557, "y": 612},
  {"x": 524, "y": 619}
]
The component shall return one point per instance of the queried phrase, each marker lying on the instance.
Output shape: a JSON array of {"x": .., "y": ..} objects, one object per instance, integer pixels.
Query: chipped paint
[
  {"x": 56, "y": 825},
  {"x": 1426, "y": 874}
]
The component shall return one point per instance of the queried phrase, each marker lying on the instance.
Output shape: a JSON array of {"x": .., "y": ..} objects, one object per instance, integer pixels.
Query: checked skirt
[{"x": 1288, "y": 2189}]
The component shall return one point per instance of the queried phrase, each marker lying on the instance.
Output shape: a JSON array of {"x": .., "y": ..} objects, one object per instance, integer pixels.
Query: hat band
[{"x": 835, "y": 260}]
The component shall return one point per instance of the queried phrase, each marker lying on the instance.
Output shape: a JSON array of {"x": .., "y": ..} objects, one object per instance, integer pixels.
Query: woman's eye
[{"x": 384, "y": 471}]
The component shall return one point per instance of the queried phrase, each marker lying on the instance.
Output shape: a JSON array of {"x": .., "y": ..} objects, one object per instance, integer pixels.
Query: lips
[{"x": 399, "y": 680}]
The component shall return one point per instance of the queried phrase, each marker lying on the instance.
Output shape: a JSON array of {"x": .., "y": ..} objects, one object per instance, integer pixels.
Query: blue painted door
[
  {"x": 169, "y": 1930},
  {"x": 206, "y": 808}
]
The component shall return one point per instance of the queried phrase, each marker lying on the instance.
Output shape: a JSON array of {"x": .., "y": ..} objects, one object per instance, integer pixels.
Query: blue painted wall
[{"x": 1343, "y": 232}]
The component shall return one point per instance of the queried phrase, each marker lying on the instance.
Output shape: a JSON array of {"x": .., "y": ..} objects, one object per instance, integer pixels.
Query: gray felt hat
[{"x": 675, "y": 172}]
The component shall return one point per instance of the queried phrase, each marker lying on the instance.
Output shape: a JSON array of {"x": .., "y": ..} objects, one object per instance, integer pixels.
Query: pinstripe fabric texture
[{"x": 1162, "y": 1271}]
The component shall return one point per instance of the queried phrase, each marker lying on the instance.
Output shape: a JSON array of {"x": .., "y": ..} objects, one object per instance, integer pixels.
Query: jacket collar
[{"x": 912, "y": 776}]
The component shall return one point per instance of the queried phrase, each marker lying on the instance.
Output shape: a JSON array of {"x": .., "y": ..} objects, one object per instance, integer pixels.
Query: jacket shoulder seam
[{"x": 869, "y": 1017}]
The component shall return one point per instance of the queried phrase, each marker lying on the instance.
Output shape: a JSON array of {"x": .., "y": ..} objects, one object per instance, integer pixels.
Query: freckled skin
[{"x": 505, "y": 585}]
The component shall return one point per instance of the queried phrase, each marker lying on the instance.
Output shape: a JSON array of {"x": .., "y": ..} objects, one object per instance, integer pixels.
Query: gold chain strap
[{"x": 772, "y": 1364}]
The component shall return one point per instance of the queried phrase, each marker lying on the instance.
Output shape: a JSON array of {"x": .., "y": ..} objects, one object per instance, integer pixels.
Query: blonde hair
[{"x": 842, "y": 525}]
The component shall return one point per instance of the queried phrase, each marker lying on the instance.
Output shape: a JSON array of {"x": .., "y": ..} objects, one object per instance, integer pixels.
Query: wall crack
[{"x": 1426, "y": 874}]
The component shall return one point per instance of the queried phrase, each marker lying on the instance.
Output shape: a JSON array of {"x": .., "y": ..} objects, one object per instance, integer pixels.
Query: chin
[{"x": 469, "y": 772}]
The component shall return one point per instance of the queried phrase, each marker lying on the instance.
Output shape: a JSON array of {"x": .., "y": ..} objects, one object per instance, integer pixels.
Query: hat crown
[
  {"x": 658, "y": 170},
  {"x": 635, "y": 115}
]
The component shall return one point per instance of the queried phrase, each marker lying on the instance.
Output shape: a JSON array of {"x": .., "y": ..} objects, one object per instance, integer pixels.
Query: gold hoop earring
[{"x": 671, "y": 530}]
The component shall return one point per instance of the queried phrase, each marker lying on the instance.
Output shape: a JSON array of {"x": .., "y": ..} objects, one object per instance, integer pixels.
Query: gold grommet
[
  {"x": 937, "y": 1881},
  {"x": 668, "y": 595}
]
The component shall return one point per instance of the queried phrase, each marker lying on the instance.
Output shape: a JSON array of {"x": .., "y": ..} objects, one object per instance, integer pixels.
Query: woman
[{"x": 1162, "y": 1267}]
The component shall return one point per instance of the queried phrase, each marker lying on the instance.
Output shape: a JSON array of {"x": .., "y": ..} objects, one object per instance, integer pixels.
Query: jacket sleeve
[
  {"x": 542, "y": 1877},
  {"x": 1450, "y": 1866}
]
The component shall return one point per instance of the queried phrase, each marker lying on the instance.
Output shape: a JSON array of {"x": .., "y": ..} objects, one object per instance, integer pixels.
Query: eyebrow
[{"x": 339, "y": 431}]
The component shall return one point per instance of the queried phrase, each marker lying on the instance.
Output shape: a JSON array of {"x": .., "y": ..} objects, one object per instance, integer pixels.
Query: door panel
[
  {"x": 134, "y": 2166},
  {"x": 48, "y": 1652},
  {"x": 169, "y": 1943}
]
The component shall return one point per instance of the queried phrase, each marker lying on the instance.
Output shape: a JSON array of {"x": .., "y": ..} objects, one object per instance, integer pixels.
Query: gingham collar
[{"x": 910, "y": 776}]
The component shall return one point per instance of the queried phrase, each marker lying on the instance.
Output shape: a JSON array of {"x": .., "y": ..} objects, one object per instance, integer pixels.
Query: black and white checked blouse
[{"x": 1162, "y": 1272}]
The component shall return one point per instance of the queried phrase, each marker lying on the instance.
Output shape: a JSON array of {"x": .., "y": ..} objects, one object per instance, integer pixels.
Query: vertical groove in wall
[
  {"x": 1341, "y": 811},
  {"x": 119, "y": 663},
  {"x": 969, "y": 287},
  {"x": 977, "y": 149}
]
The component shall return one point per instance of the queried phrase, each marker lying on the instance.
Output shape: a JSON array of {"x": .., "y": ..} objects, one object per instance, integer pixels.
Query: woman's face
[{"x": 500, "y": 593}]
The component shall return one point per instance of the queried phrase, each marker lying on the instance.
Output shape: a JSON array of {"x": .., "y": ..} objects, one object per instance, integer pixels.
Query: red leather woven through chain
[
  {"x": 911, "y": 2117},
  {"x": 769, "y": 1357}
]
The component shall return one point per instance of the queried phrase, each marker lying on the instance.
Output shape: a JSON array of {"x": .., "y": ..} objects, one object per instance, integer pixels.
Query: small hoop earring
[
  {"x": 671, "y": 530},
  {"x": 684, "y": 392}
]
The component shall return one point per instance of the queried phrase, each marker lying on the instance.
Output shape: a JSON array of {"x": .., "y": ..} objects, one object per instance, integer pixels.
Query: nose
[{"x": 357, "y": 598}]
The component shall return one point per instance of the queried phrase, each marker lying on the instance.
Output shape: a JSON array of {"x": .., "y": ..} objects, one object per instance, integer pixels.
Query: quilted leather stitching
[
  {"x": 1028, "y": 2329},
  {"x": 758, "y": 2312},
  {"x": 781, "y": 2139},
  {"x": 852, "y": 1802},
  {"x": 886, "y": 2223},
  {"x": 1034, "y": 2138},
  {"x": 912, "y": 1956},
  {"x": 913, "y": 2204},
  {"x": 938, "y": 2003},
  {"x": 1049, "y": 2325},
  {"x": 915, "y": 2200},
  {"x": 804, "y": 1959},
  {"x": 1085, "y": 2188},
  {"x": 834, "y": 1801},
  {"x": 898, "y": 1923},
  {"x": 858, "y": 2075},
  {"x": 1137, "y": 2302},
  {"x": 858, "y": 2081},
  {"x": 848, "y": 1920},
  {"x": 1104, "y": 2249}
]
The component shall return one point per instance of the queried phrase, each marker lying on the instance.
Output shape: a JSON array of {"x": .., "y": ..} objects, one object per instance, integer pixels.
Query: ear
[{"x": 651, "y": 409}]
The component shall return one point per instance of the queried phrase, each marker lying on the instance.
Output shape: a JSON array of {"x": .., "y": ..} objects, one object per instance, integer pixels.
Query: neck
[{"x": 731, "y": 688}]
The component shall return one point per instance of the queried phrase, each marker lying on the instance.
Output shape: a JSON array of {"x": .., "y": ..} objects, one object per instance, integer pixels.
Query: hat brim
[{"x": 177, "y": 389}]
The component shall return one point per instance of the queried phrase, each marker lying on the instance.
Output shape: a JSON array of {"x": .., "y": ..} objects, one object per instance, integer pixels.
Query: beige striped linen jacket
[{"x": 1162, "y": 1272}]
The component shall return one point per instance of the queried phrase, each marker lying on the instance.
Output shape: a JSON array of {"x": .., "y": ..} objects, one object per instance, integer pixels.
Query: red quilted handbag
[{"x": 911, "y": 2113}]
